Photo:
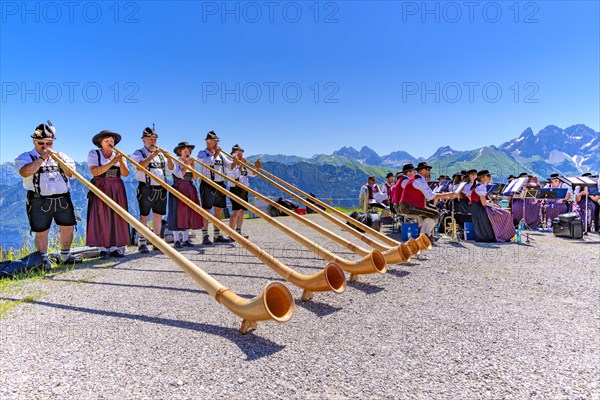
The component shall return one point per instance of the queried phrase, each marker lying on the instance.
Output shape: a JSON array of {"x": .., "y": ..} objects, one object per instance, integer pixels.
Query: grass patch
[
  {"x": 348, "y": 210},
  {"x": 10, "y": 304}
]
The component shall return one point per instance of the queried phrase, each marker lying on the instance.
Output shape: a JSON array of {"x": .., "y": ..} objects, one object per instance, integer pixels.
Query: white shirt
[
  {"x": 140, "y": 155},
  {"x": 420, "y": 183},
  {"x": 480, "y": 190},
  {"x": 467, "y": 189},
  {"x": 220, "y": 163},
  {"x": 51, "y": 181},
  {"x": 561, "y": 186},
  {"x": 178, "y": 170},
  {"x": 92, "y": 158},
  {"x": 239, "y": 174}
]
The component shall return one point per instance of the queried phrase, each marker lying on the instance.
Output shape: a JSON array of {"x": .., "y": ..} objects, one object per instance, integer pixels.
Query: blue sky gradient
[{"x": 361, "y": 68}]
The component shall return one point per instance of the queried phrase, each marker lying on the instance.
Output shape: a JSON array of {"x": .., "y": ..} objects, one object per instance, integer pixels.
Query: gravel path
[{"x": 465, "y": 321}]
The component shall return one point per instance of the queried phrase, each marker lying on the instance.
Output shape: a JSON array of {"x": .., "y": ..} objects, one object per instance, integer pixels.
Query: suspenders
[{"x": 45, "y": 170}]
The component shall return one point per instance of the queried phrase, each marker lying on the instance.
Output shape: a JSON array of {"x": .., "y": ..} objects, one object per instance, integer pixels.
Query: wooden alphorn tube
[
  {"x": 393, "y": 254},
  {"x": 331, "y": 278},
  {"x": 366, "y": 228},
  {"x": 372, "y": 262},
  {"x": 274, "y": 303}
]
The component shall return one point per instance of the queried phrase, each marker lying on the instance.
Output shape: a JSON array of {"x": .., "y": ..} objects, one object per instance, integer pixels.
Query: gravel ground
[{"x": 464, "y": 321}]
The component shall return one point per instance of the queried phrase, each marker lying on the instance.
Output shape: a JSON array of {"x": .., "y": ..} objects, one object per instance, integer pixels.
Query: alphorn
[
  {"x": 372, "y": 262},
  {"x": 331, "y": 278},
  {"x": 274, "y": 303},
  {"x": 393, "y": 252}
]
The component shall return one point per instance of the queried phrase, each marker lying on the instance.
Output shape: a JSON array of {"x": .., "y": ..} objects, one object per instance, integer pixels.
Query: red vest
[
  {"x": 413, "y": 196},
  {"x": 397, "y": 190},
  {"x": 388, "y": 187},
  {"x": 474, "y": 197}
]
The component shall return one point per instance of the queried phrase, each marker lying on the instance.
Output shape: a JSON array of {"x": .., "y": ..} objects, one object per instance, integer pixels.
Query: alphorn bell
[
  {"x": 331, "y": 278},
  {"x": 394, "y": 254},
  {"x": 274, "y": 303},
  {"x": 372, "y": 262}
]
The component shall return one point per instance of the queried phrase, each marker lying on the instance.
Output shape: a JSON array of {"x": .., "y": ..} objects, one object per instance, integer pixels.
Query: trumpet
[
  {"x": 393, "y": 251},
  {"x": 331, "y": 278},
  {"x": 451, "y": 227},
  {"x": 275, "y": 302}
]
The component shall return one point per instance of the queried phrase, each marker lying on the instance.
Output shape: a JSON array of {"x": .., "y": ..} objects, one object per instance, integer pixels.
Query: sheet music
[
  {"x": 460, "y": 187},
  {"x": 514, "y": 186}
]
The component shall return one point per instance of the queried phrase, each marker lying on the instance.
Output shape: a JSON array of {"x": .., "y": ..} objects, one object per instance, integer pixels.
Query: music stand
[
  {"x": 549, "y": 193},
  {"x": 460, "y": 187},
  {"x": 514, "y": 186},
  {"x": 442, "y": 188}
]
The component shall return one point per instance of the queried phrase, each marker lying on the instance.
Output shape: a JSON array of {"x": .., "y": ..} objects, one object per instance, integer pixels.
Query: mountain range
[{"x": 337, "y": 177}]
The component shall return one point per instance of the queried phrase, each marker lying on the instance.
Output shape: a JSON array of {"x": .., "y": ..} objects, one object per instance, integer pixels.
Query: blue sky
[{"x": 300, "y": 77}]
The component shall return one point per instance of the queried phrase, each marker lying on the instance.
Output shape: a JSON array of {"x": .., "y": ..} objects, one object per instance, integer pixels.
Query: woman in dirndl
[
  {"x": 105, "y": 228},
  {"x": 182, "y": 218},
  {"x": 490, "y": 222}
]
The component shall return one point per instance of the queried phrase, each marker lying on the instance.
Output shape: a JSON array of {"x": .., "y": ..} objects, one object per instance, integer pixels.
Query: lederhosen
[
  {"x": 210, "y": 196},
  {"x": 181, "y": 216},
  {"x": 105, "y": 228},
  {"x": 152, "y": 197},
  {"x": 239, "y": 192},
  {"x": 42, "y": 209}
]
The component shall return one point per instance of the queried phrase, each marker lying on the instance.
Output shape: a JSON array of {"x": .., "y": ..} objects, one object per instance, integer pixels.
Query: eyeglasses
[{"x": 45, "y": 143}]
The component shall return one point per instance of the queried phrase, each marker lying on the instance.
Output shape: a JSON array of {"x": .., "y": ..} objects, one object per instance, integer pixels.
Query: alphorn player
[
  {"x": 181, "y": 217},
  {"x": 211, "y": 197},
  {"x": 414, "y": 200},
  {"x": 105, "y": 228},
  {"x": 239, "y": 173},
  {"x": 48, "y": 194},
  {"x": 151, "y": 195}
]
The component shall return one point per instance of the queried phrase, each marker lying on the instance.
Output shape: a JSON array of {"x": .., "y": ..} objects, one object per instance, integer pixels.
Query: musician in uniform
[
  {"x": 370, "y": 193},
  {"x": 386, "y": 188},
  {"x": 490, "y": 223},
  {"x": 585, "y": 203},
  {"x": 181, "y": 217},
  {"x": 48, "y": 196},
  {"x": 239, "y": 173},
  {"x": 555, "y": 207},
  {"x": 152, "y": 197},
  {"x": 414, "y": 199},
  {"x": 105, "y": 228},
  {"x": 408, "y": 172},
  {"x": 211, "y": 197}
]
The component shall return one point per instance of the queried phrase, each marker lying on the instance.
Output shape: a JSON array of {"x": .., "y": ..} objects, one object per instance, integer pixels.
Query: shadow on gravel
[
  {"x": 132, "y": 286},
  {"x": 366, "y": 288},
  {"x": 457, "y": 244},
  {"x": 398, "y": 273},
  {"x": 409, "y": 264},
  {"x": 318, "y": 308},
  {"x": 267, "y": 278},
  {"x": 255, "y": 347}
]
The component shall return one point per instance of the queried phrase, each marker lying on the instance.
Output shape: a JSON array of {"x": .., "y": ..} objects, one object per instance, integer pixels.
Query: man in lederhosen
[
  {"x": 150, "y": 194},
  {"x": 211, "y": 197},
  {"x": 48, "y": 194}
]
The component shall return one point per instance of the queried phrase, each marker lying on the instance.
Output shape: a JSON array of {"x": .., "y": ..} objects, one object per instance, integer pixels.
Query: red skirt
[
  {"x": 180, "y": 216},
  {"x": 105, "y": 228}
]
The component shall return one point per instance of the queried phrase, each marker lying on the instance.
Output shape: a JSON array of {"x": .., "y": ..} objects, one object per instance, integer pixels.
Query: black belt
[
  {"x": 52, "y": 196},
  {"x": 146, "y": 185}
]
